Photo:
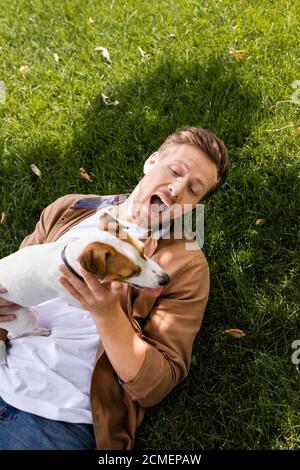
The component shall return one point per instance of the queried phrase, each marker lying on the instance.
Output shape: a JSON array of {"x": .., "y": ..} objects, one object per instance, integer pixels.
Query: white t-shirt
[{"x": 51, "y": 376}]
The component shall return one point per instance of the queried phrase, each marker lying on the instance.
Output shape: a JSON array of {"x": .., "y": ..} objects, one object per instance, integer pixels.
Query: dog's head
[{"x": 117, "y": 256}]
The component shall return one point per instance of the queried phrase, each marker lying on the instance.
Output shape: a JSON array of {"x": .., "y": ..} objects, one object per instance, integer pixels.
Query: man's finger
[
  {"x": 4, "y": 318},
  {"x": 7, "y": 309},
  {"x": 5, "y": 303},
  {"x": 76, "y": 283},
  {"x": 115, "y": 287},
  {"x": 2, "y": 289},
  {"x": 90, "y": 279}
]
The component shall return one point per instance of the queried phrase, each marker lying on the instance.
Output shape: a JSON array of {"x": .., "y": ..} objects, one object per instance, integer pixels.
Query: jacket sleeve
[
  {"x": 170, "y": 331},
  {"x": 38, "y": 236},
  {"x": 48, "y": 218}
]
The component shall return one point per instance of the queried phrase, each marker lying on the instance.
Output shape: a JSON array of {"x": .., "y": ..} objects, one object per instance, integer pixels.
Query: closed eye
[
  {"x": 136, "y": 272},
  {"x": 174, "y": 172}
]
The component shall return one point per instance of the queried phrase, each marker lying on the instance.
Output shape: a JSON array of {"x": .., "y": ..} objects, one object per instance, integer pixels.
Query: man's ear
[{"x": 150, "y": 162}]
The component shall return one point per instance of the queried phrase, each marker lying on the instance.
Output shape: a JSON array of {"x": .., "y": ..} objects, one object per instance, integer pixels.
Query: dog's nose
[{"x": 163, "y": 279}]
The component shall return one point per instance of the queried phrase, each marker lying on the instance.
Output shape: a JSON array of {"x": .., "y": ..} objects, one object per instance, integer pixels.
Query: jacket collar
[{"x": 99, "y": 202}]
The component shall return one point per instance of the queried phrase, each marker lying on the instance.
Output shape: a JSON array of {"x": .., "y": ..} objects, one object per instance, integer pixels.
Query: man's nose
[{"x": 176, "y": 190}]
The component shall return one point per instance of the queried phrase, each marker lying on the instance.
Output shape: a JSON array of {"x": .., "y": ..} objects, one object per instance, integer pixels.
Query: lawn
[{"x": 170, "y": 65}]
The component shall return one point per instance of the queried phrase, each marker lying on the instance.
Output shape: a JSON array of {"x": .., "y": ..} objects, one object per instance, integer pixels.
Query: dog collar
[{"x": 68, "y": 266}]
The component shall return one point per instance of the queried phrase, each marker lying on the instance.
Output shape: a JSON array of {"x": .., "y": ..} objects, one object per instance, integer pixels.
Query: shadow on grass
[{"x": 152, "y": 106}]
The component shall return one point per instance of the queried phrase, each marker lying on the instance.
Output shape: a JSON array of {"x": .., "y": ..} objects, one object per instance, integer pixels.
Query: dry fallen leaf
[
  {"x": 258, "y": 221},
  {"x": 234, "y": 332},
  {"x": 106, "y": 100},
  {"x": 24, "y": 69},
  {"x": 2, "y": 92},
  {"x": 36, "y": 170},
  {"x": 90, "y": 20},
  {"x": 104, "y": 53},
  {"x": 238, "y": 54},
  {"x": 142, "y": 52},
  {"x": 84, "y": 174},
  {"x": 3, "y": 218},
  {"x": 56, "y": 57},
  {"x": 144, "y": 55},
  {"x": 297, "y": 130}
]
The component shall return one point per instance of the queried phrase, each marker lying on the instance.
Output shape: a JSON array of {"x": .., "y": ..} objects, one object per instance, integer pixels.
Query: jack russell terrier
[{"x": 30, "y": 275}]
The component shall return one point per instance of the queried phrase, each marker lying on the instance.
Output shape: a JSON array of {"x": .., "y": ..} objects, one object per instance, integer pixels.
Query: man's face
[{"x": 175, "y": 181}]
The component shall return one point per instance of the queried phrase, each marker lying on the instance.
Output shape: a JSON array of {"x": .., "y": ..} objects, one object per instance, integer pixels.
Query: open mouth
[{"x": 157, "y": 205}]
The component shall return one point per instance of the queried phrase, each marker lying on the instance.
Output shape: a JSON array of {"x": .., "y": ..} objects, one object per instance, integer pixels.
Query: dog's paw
[
  {"x": 42, "y": 332},
  {"x": 36, "y": 332}
]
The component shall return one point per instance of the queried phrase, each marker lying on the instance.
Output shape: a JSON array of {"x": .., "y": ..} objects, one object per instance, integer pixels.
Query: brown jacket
[{"x": 168, "y": 324}]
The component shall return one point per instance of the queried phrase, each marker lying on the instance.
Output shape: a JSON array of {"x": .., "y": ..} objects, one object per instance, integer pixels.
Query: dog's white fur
[{"x": 31, "y": 274}]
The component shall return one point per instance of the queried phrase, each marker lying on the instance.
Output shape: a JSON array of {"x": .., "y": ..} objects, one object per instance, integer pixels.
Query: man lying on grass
[{"x": 87, "y": 385}]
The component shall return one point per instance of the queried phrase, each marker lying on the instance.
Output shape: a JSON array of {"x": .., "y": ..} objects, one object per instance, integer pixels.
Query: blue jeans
[{"x": 20, "y": 430}]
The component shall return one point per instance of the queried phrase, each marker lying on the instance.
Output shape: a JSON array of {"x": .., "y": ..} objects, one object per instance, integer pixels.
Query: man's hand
[
  {"x": 6, "y": 310},
  {"x": 98, "y": 298},
  {"x": 125, "y": 349},
  {"x": 6, "y": 307}
]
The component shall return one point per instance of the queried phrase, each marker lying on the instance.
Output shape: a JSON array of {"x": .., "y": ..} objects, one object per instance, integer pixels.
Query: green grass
[{"x": 240, "y": 394}]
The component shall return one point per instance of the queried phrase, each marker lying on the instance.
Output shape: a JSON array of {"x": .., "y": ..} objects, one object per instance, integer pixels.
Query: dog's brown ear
[
  {"x": 94, "y": 258},
  {"x": 103, "y": 220},
  {"x": 108, "y": 222}
]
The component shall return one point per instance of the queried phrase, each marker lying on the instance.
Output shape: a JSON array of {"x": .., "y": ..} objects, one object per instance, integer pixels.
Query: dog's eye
[{"x": 137, "y": 271}]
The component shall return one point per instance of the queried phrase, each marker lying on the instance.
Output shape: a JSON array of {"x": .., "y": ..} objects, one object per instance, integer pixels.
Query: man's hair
[{"x": 209, "y": 143}]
